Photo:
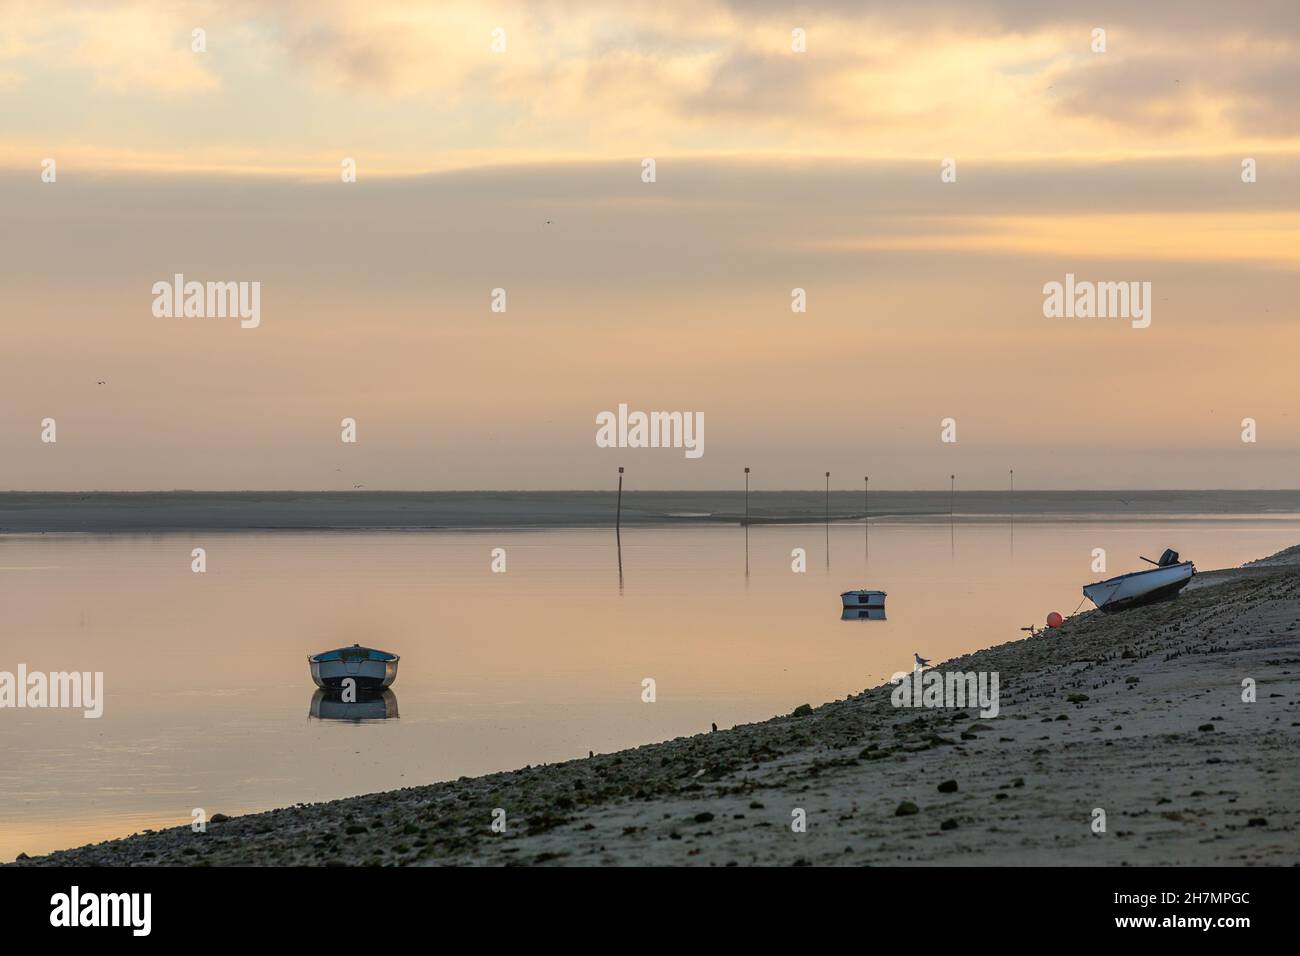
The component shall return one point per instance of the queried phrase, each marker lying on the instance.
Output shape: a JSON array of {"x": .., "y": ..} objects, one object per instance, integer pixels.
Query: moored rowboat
[
  {"x": 863, "y": 598},
  {"x": 371, "y": 669}
]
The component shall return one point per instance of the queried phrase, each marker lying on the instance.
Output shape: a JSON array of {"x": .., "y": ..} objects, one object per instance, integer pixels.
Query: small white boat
[
  {"x": 371, "y": 669},
  {"x": 863, "y": 598},
  {"x": 1165, "y": 580}
]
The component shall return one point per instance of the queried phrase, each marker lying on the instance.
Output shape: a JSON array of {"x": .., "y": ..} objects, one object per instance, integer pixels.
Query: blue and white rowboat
[
  {"x": 371, "y": 669},
  {"x": 863, "y": 598}
]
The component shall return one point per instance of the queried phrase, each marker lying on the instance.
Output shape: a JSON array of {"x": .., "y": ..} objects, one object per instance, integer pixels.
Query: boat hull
[
  {"x": 370, "y": 675},
  {"x": 1140, "y": 587},
  {"x": 863, "y": 598}
]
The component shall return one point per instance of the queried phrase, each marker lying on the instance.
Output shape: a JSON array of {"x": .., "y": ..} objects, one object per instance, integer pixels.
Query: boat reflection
[
  {"x": 329, "y": 706},
  {"x": 863, "y": 614}
]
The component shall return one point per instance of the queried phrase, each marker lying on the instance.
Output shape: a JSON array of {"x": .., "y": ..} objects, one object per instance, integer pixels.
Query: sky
[{"x": 920, "y": 170}]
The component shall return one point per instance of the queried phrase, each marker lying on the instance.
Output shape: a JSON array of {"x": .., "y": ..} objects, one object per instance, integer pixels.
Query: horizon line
[{"x": 741, "y": 490}]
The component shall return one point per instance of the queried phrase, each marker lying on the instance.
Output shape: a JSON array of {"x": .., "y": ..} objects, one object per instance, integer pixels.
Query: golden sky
[{"x": 520, "y": 168}]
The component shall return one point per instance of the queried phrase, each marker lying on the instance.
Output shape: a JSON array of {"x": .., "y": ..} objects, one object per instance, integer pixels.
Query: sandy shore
[{"x": 1139, "y": 714}]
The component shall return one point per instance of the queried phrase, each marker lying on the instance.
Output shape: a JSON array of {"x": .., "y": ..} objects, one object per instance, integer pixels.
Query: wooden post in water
[
  {"x": 952, "y": 530},
  {"x": 828, "y": 521},
  {"x": 618, "y": 513},
  {"x": 1011, "y": 512},
  {"x": 746, "y": 497},
  {"x": 746, "y": 527},
  {"x": 618, "y": 534}
]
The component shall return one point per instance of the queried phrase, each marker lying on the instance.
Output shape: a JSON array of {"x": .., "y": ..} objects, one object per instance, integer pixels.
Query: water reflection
[
  {"x": 863, "y": 614},
  {"x": 277, "y": 601},
  {"x": 746, "y": 553},
  {"x": 328, "y": 706}
]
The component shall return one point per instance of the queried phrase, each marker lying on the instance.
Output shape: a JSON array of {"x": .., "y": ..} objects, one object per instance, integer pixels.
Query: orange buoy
[{"x": 1055, "y": 620}]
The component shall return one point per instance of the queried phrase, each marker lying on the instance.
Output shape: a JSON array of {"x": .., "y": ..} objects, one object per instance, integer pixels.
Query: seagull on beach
[{"x": 920, "y": 661}]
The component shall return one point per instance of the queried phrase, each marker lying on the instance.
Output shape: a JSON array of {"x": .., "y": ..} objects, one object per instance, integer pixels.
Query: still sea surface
[{"x": 208, "y": 698}]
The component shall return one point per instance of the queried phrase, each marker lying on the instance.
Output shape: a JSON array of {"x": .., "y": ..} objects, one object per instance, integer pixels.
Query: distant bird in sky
[
  {"x": 358, "y": 486},
  {"x": 101, "y": 383},
  {"x": 548, "y": 222},
  {"x": 920, "y": 661}
]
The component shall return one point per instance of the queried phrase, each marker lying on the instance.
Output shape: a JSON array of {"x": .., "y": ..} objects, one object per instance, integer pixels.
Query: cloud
[
  {"x": 1267, "y": 17},
  {"x": 416, "y": 85},
  {"x": 710, "y": 223},
  {"x": 923, "y": 297},
  {"x": 1245, "y": 85},
  {"x": 124, "y": 47}
]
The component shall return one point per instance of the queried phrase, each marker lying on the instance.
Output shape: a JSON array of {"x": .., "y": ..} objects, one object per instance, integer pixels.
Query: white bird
[{"x": 920, "y": 661}]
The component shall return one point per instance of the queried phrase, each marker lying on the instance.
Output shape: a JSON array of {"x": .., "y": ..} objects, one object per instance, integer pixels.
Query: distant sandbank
[{"x": 181, "y": 511}]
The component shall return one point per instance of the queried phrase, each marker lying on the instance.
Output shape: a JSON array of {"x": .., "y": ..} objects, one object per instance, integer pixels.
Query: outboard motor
[{"x": 1169, "y": 557}]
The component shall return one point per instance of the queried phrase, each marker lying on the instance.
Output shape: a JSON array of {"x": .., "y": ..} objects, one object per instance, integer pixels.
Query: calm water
[{"x": 208, "y": 692}]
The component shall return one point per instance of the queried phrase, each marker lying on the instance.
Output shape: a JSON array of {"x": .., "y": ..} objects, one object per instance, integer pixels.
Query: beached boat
[
  {"x": 371, "y": 669},
  {"x": 863, "y": 598},
  {"x": 1164, "y": 581}
]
